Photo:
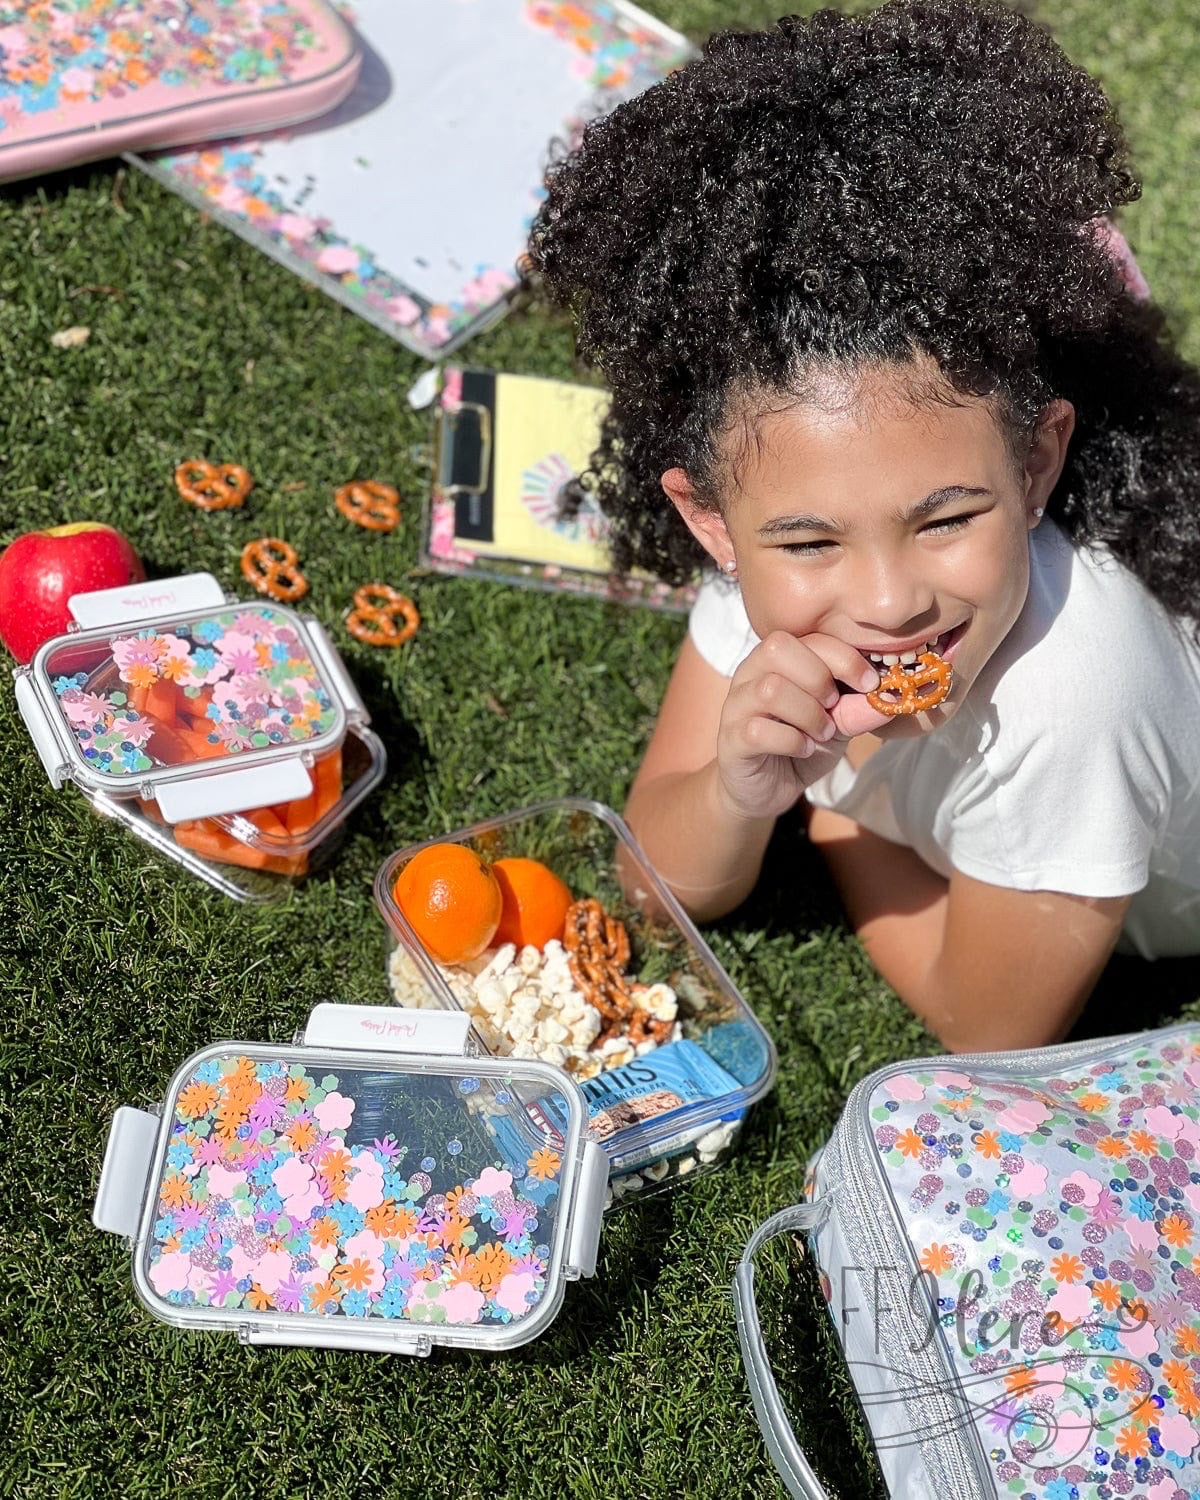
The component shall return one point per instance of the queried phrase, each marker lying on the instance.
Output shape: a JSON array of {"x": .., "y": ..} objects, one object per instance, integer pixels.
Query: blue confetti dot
[
  {"x": 454, "y": 1147},
  {"x": 469, "y": 1085},
  {"x": 428, "y": 1163}
]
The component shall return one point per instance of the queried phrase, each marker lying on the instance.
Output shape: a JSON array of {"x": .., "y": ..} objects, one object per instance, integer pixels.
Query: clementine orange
[
  {"x": 451, "y": 899},
  {"x": 535, "y": 902}
]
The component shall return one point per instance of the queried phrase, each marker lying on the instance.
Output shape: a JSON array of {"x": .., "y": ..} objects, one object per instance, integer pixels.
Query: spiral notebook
[{"x": 411, "y": 201}]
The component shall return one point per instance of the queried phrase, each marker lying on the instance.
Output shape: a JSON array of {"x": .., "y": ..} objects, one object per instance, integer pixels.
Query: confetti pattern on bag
[
  {"x": 71, "y": 52},
  {"x": 1058, "y": 1222},
  {"x": 265, "y": 1203}
]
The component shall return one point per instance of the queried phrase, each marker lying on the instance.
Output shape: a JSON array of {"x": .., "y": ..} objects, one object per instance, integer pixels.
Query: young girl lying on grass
[{"x": 874, "y": 349}]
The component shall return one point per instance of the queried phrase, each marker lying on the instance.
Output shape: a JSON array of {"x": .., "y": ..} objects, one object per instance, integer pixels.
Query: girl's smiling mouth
[{"x": 906, "y": 656}]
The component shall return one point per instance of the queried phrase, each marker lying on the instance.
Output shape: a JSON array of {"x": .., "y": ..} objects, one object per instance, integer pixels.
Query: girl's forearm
[{"x": 708, "y": 855}]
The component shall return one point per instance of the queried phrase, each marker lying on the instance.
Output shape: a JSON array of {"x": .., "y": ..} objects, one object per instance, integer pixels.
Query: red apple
[{"x": 41, "y": 570}]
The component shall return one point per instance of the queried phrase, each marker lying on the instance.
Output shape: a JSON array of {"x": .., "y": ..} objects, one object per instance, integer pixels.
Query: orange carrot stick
[
  {"x": 162, "y": 701},
  {"x": 205, "y": 837}
]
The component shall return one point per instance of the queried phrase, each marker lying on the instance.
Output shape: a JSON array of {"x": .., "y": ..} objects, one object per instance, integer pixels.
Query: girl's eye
[
  {"x": 950, "y": 523},
  {"x": 806, "y": 549}
]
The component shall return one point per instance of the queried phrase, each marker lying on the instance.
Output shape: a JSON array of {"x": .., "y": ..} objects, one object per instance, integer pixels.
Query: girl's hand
[{"x": 786, "y": 723}]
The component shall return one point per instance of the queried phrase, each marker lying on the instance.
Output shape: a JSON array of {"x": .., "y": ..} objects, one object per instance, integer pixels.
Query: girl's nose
[{"x": 890, "y": 596}]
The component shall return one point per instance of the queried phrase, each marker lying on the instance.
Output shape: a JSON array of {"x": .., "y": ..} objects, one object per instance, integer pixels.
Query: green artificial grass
[{"x": 116, "y": 966}]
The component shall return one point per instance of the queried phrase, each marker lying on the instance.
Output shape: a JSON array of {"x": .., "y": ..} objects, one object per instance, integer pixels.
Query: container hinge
[
  {"x": 419, "y": 1345},
  {"x": 388, "y": 1028},
  {"x": 584, "y": 1242},
  {"x": 334, "y": 669},
  {"x": 127, "y": 1157},
  {"x": 41, "y": 731}
]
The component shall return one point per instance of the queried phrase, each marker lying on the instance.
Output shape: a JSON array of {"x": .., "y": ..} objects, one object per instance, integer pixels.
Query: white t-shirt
[{"x": 1073, "y": 763}]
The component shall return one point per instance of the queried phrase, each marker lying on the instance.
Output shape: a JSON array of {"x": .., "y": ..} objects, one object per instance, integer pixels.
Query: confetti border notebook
[
  {"x": 505, "y": 503},
  {"x": 411, "y": 202}
]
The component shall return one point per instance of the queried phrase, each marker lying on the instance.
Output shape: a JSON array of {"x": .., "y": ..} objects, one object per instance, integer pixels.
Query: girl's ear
[
  {"x": 1047, "y": 456},
  {"x": 705, "y": 524}
]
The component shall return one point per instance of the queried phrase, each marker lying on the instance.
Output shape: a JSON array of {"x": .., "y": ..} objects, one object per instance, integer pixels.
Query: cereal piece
[
  {"x": 370, "y": 504},
  {"x": 272, "y": 567},
  {"x": 529, "y": 960}
]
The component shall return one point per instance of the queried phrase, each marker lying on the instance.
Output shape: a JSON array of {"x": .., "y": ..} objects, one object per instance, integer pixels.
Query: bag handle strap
[{"x": 785, "y": 1450}]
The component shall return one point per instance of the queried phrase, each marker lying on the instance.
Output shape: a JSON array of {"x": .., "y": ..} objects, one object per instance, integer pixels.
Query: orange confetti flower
[
  {"x": 1188, "y": 1339},
  {"x": 937, "y": 1259},
  {"x": 302, "y": 1134},
  {"x": 1021, "y": 1379},
  {"x": 544, "y": 1163},
  {"x": 493, "y": 1261},
  {"x": 324, "y": 1232},
  {"x": 1111, "y": 1145},
  {"x": 1066, "y": 1268},
  {"x": 1176, "y": 1230},
  {"x": 322, "y": 1292},
  {"x": 175, "y": 1190},
  {"x": 196, "y": 1100},
  {"x": 257, "y": 1299},
  {"x": 1125, "y": 1375},
  {"x": 355, "y": 1275},
  {"x": 1132, "y": 1442},
  {"x": 987, "y": 1143},
  {"x": 910, "y": 1143}
]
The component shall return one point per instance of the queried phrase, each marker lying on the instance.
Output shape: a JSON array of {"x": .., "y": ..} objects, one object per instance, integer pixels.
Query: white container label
[
  {"x": 141, "y": 601},
  {"x": 388, "y": 1028}
]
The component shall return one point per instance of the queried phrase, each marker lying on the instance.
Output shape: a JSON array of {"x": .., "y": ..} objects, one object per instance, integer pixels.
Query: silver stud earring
[
  {"x": 730, "y": 568},
  {"x": 1039, "y": 511}
]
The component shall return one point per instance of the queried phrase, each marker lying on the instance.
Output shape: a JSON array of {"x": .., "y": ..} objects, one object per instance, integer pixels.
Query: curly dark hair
[{"x": 922, "y": 180}]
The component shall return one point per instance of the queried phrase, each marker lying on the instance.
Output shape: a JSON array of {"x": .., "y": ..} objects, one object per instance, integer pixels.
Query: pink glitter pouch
[
  {"x": 372, "y": 1186},
  {"x": 227, "y": 735},
  {"x": 80, "y": 81},
  {"x": 1007, "y": 1244}
]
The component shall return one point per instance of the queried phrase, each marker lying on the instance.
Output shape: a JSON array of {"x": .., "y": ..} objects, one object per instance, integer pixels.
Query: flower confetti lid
[
  {"x": 207, "y": 709},
  {"x": 372, "y": 1187}
]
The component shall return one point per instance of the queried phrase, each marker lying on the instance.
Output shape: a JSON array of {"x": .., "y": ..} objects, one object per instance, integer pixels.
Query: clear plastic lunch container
[
  {"x": 372, "y": 1186},
  {"x": 226, "y": 734},
  {"x": 662, "y": 1111}
]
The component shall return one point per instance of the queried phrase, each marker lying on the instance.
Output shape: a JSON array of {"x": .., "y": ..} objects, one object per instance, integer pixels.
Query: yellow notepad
[{"x": 506, "y": 501}]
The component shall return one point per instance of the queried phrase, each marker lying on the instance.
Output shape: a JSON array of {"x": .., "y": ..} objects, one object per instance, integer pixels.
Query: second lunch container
[{"x": 662, "y": 1108}]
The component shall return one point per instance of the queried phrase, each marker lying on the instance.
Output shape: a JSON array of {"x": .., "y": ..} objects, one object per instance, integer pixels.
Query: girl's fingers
[
  {"x": 771, "y": 696},
  {"x": 762, "y": 736},
  {"x": 843, "y": 662},
  {"x": 814, "y": 663}
]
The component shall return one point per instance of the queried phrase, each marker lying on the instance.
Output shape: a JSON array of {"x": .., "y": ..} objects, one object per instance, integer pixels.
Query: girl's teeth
[
  {"x": 907, "y": 658},
  {"x": 890, "y": 661}
]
